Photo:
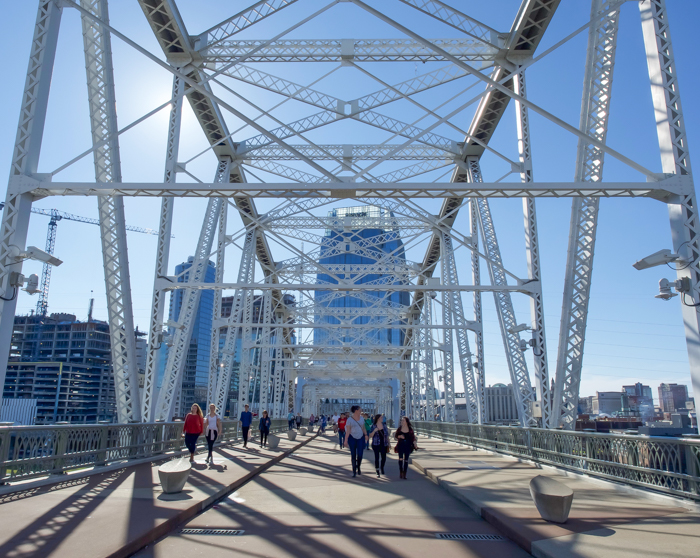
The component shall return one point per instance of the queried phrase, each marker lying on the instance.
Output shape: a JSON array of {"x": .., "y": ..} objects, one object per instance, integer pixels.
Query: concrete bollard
[{"x": 552, "y": 498}]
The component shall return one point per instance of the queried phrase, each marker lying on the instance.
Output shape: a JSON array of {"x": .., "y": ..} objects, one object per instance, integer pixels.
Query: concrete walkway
[
  {"x": 301, "y": 501},
  {"x": 308, "y": 505},
  {"x": 117, "y": 513},
  {"x": 605, "y": 521}
]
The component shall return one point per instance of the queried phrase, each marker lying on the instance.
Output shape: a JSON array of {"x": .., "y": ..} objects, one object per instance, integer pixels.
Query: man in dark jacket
[{"x": 246, "y": 421}]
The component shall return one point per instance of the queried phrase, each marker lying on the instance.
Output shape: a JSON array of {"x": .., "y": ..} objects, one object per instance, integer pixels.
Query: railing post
[
  {"x": 5, "y": 440},
  {"x": 101, "y": 458},
  {"x": 60, "y": 443}
]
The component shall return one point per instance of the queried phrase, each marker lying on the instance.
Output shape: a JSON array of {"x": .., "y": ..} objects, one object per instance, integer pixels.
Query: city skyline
[{"x": 630, "y": 335}]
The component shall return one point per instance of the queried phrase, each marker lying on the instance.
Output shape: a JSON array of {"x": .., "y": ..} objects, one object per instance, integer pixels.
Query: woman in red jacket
[{"x": 194, "y": 426}]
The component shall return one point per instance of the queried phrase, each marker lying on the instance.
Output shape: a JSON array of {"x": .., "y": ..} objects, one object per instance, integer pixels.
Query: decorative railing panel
[
  {"x": 670, "y": 465},
  {"x": 33, "y": 451}
]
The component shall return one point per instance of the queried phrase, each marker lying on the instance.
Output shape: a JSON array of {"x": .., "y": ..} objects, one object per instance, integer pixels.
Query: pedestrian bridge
[{"x": 94, "y": 491}]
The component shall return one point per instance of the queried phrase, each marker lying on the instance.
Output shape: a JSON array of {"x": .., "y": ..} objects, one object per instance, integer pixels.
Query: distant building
[
  {"x": 609, "y": 402},
  {"x": 500, "y": 404},
  {"x": 195, "y": 376},
  {"x": 64, "y": 392},
  {"x": 65, "y": 365},
  {"x": 226, "y": 309},
  {"x": 641, "y": 402},
  {"x": 585, "y": 405},
  {"x": 673, "y": 397}
]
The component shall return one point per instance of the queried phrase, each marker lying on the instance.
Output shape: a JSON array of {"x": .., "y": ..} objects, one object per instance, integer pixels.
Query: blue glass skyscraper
[
  {"x": 348, "y": 247},
  {"x": 195, "y": 375}
]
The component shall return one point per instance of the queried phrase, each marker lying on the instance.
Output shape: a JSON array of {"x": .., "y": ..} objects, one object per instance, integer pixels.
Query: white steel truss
[
  {"x": 357, "y": 315},
  {"x": 595, "y": 109}
]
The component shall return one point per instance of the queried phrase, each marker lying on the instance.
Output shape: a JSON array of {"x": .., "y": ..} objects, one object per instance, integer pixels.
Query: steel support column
[
  {"x": 103, "y": 123},
  {"x": 595, "y": 107},
  {"x": 675, "y": 159},
  {"x": 156, "y": 329},
  {"x": 479, "y": 334},
  {"x": 177, "y": 354},
  {"x": 532, "y": 252},
  {"x": 25, "y": 158},
  {"x": 520, "y": 377}
]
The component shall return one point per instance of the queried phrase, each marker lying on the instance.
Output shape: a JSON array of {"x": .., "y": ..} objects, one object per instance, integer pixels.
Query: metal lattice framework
[{"x": 365, "y": 300}]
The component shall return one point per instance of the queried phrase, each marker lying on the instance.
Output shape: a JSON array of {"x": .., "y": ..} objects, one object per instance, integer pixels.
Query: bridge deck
[{"x": 307, "y": 504}]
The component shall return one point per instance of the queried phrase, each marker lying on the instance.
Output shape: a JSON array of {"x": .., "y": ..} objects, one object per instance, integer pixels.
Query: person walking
[
  {"x": 290, "y": 420},
  {"x": 193, "y": 428},
  {"x": 311, "y": 421},
  {"x": 334, "y": 422},
  {"x": 298, "y": 420},
  {"x": 341, "y": 429},
  {"x": 246, "y": 421},
  {"x": 323, "y": 424},
  {"x": 356, "y": 438},
  {"x": 213, "y": 427},
  {"x": 406, "y": 443},
  {"x": 380, "y": 442},
  {"x": 265, "y": 424},
  {"x": 368, "y": 422}
]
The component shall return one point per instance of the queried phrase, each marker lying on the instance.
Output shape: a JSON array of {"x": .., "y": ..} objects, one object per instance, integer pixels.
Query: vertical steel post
[
  {"x": 476, "y": 280},
  {"x": 532, "y": 251},
  {"x": 595, "y": 108},
  {"x": 103, "y": 123},
  {"x": 177, "y": 355},
  {"x": 25, "y": 158},
  {"x": 520, "y": 377},
  {"x": 675, "y": 159},
  {"x": 156, "y": 330}
]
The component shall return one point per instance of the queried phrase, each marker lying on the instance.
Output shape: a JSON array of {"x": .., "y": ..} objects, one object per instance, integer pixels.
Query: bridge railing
[
  {"x": 34, "y": 451},
  {"x": 670, "y": 465}
]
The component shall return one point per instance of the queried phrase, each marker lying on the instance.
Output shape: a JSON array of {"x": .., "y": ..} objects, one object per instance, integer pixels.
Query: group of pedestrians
[
  {"x": 355, "y": 431},
  {"x": 358, "y": 431},
  {"x": 196, "y": 425}
]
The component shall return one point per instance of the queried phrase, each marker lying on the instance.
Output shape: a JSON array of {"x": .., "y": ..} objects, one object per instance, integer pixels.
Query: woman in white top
[
  {"x": 356, "y": 436},
  {"x": 212, "y": 423}
]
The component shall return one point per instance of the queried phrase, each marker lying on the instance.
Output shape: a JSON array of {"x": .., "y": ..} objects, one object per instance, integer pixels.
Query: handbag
[{"x": 396, "y": 448}]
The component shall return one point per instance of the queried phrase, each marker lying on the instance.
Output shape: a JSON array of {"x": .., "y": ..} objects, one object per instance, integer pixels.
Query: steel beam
[
  {"x": 103, "y": 124},
  {"x": 595, "y": 108},
  {"x": 675, "y": 159}
]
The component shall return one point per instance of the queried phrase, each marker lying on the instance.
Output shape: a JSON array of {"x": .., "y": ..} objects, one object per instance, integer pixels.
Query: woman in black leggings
[
  {"x": 406, "y": 444},
  {"x": 380, "y": 443}
]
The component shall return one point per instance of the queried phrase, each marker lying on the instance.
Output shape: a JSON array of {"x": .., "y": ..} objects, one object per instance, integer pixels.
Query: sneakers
[{"x": 378, "y": 473}]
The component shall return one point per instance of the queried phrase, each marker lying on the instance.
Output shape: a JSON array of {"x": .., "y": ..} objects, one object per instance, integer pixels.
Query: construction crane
[{"x": 55, "y": 216}]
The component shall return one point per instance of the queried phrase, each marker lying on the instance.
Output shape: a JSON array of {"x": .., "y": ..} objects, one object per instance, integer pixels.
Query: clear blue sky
[{"x": 631, "y": 335}]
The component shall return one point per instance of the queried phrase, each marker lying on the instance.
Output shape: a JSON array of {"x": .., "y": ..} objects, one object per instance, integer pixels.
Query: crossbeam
[{"x": 665, "y": 190}]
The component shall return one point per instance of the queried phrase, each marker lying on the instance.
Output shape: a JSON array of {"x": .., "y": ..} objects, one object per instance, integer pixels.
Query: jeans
[
  {"x": 191, "y": 442},
  {"x": 357, "y": 447},
  {"x": 245, "y": 430},
  {"x": 291, "y": 424},
  {"x": 263, "y": 436},
  {"x": 298, "y": 424},
  {"x": 379, "y": 451},
  {"x": 341, "y": 437},
  {"x": 211, "y": 438},
  {"x": 405, "y": 450}
]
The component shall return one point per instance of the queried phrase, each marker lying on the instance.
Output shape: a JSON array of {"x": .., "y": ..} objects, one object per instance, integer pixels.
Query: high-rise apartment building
[
  {"x": 641, "y": 401},
  {"x": 65, "y": 365},
  {"x": 500, "y": 404},
  {"x": 672, "y": 397}
]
